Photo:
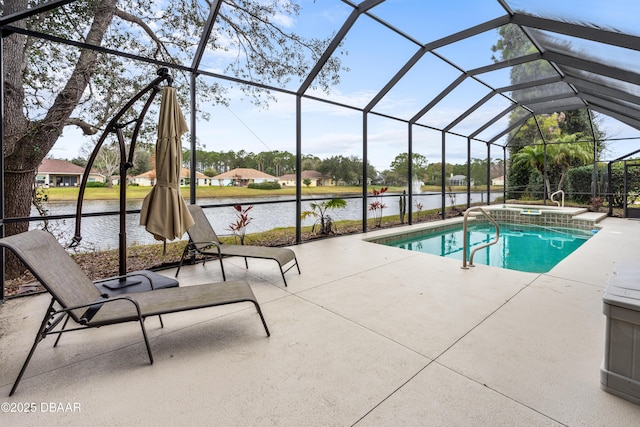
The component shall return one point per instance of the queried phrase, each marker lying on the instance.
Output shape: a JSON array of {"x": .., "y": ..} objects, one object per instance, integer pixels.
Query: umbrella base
[{"x": 135, "y": 281}]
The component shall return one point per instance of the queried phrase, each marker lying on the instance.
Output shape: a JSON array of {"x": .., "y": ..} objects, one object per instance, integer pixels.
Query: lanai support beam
[
  {"x": 594, "y": 186},
  {"x": 409, "y": 171},
  {"x": 365, "y": 139},
  {"x": 195, "y": 64},
  {"x": 298, "y": 167},
  {"x": 580, "y": 31},
  {"x": 468, "y": 173},
  {"x": 443, "y": 187},
  {"x": 488, "y": 174},
  {"x": 591, "y": 66}
]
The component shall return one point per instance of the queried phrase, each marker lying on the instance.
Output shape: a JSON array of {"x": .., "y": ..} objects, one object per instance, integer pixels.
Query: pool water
[{"x": 535, "y": 249}]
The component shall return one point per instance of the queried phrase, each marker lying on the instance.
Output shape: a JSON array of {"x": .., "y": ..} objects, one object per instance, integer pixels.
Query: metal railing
[
  {"x": 465, "y": 236},
  {"x": 555, "y": 201}
]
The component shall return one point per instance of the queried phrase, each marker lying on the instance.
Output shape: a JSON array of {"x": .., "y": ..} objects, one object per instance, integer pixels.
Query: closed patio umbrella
[{"x": 164, "y": 212}]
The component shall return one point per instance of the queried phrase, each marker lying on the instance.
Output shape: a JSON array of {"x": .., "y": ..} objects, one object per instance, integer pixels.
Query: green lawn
[{"x": 135, "y": 192}]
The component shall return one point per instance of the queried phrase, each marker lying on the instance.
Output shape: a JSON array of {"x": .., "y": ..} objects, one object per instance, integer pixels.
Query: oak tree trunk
[{"x": 26, "y": 143}]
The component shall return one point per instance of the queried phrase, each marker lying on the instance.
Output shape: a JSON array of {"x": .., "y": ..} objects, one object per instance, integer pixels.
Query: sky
[{"x": 375, "y": 54}]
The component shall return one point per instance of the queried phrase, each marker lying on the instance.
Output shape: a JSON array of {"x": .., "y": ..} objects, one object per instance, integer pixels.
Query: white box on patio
[{"x": 620, "y": 371}]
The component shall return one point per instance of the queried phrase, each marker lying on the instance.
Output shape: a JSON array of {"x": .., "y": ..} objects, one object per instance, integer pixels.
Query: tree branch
[
  {"x": 87, "y": 128},
  {"x": 160, "y": 47}
]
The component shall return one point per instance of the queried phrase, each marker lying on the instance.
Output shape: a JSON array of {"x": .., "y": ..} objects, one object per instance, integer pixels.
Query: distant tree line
[{"x": 345, "y": 170}]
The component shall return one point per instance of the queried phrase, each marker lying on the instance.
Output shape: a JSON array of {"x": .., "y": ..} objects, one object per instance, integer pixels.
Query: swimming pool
[{"x": 531, "y": 248}]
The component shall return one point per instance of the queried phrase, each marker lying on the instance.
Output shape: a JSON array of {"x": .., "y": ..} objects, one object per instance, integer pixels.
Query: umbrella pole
[
  {"x": 122, "y": 281},
  {"x": 122, "y": 252},
  {"x": 114, "y": 126}
]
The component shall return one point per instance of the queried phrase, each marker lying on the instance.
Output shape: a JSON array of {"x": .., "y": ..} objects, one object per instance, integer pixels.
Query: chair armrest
[{"x": 84, "y": 320}]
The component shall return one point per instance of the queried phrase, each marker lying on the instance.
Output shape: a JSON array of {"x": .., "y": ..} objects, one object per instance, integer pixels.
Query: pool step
[{"x": 591, "y": 216}]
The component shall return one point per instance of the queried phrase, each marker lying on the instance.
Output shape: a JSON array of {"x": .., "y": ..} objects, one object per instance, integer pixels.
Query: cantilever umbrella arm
[{"x": 126, "y": 161}]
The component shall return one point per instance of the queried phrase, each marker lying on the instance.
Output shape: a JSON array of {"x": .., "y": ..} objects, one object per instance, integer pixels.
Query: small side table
[{"x": 136, "y": 281}]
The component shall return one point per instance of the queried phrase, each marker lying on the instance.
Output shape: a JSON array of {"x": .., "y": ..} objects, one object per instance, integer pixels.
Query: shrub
[
  {"x": 617, "y": 184},
  {"x": 517, "y": 181},
  {"x": 267, "y": 185},
  {"x": 377, "y": 206},
  {"x": 239, "y": 226},
  {"x": 325, "y": 225},
  {"x": 580, "y": 184}
]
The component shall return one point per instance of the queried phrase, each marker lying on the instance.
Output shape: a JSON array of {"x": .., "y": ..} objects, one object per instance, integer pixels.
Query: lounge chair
[
  {"x": 203, "y": 240},
  {"x": 80, "y": 300}
]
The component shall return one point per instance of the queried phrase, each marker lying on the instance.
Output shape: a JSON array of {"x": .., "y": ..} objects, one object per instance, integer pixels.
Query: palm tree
[
  {"x": 324, "y": 223},
  {"x": 564, "y": 155},
  {"x": 533, "y": 156},
  {"x": 569, "y": 154}
]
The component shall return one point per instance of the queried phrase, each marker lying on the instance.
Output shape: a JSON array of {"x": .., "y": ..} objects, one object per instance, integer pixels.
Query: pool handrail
[
  {"x": 557, "y": 202},
  {"x": 465, "y": 236}
]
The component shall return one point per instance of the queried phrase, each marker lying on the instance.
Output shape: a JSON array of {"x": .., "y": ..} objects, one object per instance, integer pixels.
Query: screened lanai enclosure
[{"x": 416, "y": 106}]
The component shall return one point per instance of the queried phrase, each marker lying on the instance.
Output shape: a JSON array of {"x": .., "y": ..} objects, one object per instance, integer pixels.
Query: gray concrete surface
[{"x": 367, "y": 335}]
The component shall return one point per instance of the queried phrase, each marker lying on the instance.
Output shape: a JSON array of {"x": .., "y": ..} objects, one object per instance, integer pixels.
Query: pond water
[{"x": 101, "y": 232}]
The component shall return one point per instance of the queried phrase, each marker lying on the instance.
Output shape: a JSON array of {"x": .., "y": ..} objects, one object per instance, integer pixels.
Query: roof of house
[
  {"x": 151, "y": 174},
  {"x": 244, "y": 173},
  {"x": 184, "y": 173},
  {"x": 59, "y": 167},
  {"x": 304, "y": 174}
]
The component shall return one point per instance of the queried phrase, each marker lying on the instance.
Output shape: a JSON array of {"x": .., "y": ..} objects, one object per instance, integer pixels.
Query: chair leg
[
  {"x": 224, "y": 277},
  {"x": 39, "y": 337},
  {"x": 246, "y": 263},
  {"x": 184, "y": 252},
  {"x": 64, "y": 325},
  {"x": 282, "y": 271},
  {"x": 264, "y": 323},
  {"x": 146, "y": 340}
]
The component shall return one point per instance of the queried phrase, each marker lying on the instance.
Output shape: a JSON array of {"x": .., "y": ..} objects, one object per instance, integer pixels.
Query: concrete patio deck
[{"x": 367, "y": 335}]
